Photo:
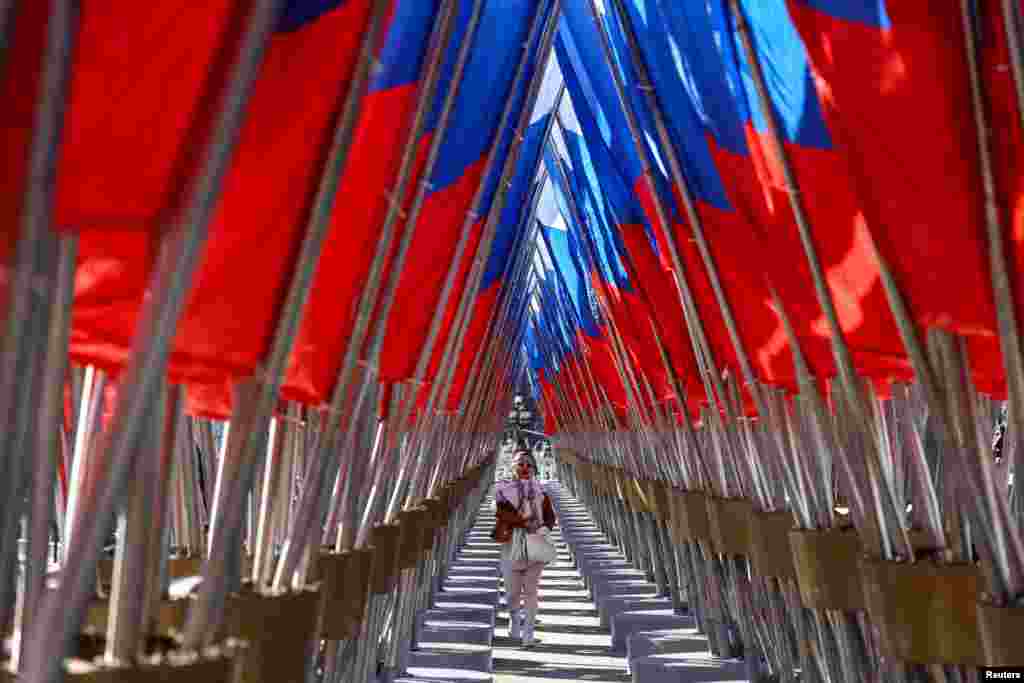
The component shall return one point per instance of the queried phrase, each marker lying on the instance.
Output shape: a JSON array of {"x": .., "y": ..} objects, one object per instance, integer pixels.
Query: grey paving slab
[
  {"x": 670, "y": 641},
  {"x": 462, "y": 656},
  {"x": 480, "y": 556},
  {"x": 606, "y": 573},
  {"x": 612, "y": 605},
  {"x": 477, "y": 614},
  {"x": 482, "y": 580},
  {"x": 621, "y": 587},
  {"x": 473, "y": 595},
  {"x": 593, "y": 546},
  {"x": 597, "y": 559},
  {"x": 473, "y": 569},
  {"x": 625, "y": 624},
  {"x": 597, "y": 553},
  {"x": 479, "y": 561},
  {"x": 433, "y": 631},
  {"x": 687, "y": 668},
  {"x": 440, "y": 675}
]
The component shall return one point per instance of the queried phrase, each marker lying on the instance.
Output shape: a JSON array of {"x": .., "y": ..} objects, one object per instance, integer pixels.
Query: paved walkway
[
  {"x": 574, "y": 647},
  {"x": 463, "y": 638}
]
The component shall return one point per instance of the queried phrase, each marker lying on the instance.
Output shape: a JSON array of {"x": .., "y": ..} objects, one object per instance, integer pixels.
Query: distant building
[{"x": 524, "y": 428}]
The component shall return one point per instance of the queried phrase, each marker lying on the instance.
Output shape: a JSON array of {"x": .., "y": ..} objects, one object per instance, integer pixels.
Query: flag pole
[
  {"x": 311, "y": 500},
  {"x": 471, "y": 219},
  {"x": 241, "y": 460},
  {"x": 63, "y": 610}
]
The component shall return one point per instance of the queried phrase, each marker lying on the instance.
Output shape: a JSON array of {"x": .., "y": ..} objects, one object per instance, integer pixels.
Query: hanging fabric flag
[
  {"x": 837, "y": 223},
  {"x": 614, "y": 181},
  {"x": 260, "y": 219},
  {"x": 366, "y": 187},
  {"x": 904, "y": 124},
  {"x": 518, "y": 200},
  {"x": 592, "y": 343},
  {"x": 643, "y": 301},
  {"x": 489, "y": 190},
  {"x": 590, "y": 275},
  {"x": 128, "y": 154},
  {"x": 480, "y": 101},
  {"x": 680, "y": 76},
  {"x": 139, "y": 109},
  {"x": 708, "y": 57}
]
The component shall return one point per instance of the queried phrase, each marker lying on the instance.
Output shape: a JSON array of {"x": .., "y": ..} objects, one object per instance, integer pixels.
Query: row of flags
[
  {"x": 872, "y": 105},
  {"x": 663, "y": 160},
  {"x": 143, "y": 90}
]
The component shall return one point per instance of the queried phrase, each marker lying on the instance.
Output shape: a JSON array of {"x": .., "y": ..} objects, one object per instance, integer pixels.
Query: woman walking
[{"x": 522, "y": 504}]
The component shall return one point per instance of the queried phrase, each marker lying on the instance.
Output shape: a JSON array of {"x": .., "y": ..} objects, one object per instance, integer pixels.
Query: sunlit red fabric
[
  {"x": 905, "y": 127},
  {"x": 118, "y": 188}
]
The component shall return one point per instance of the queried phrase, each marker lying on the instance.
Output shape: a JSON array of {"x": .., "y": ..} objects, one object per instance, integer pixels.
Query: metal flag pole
[
  {"x": 514, "y": 273},
  {"x": 1010, "y": 583},
  {"x": 1012, "y": 21},
  {"x": 844, "y": 361},
  {"x": 440, "y": 389},
  {"x": 518, "y": 277},
  {"x": 688, "y": 200},
  {"x": 484, "y": 358},
  {"x": 352, "y": 481},
  {"x": 441, "y": 33},
  {"x": 482, "y": 373},
  {"x": 473, "y": 215},
  {"x": 453, "y": 348},
  {"x": 620, "y": 356},
  {"x": 64, "y": 609},
  {"x": 484, "y": 361},
  {"x": 84, "y": 451},
  {"x": 27, "y": 312},
  {"x": 702, "y": 350},
  {"x": 628, "y": 377},
  {"x": 1006, "y": 315},
  {"x": 424, "y": 186},
  {"x": 238, "y": 466},
  {"x": 344, "y": 131},
  {"x": 47, "y": 446},
  {"x": 697, "y": 335},
  {"x": 311, "y": 500},
  {"x": 279, "y": 438},
  {"x": 55, "y": 264},
  {"x": 210, "y": 450},
  {"x": 376, "y": 343},
  {"x": 497, "y": 209},
  {"x": 380, "y": 604},
  {"x": 317, "y": 479},
  {"x": 689, "y": 206},
  {"x": 140, "y": 554}
]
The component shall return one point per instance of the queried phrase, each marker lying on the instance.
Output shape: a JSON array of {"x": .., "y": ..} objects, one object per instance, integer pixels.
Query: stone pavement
[
  {"x": 574, "y": 647},
  {"x": 634, "y": 636}
]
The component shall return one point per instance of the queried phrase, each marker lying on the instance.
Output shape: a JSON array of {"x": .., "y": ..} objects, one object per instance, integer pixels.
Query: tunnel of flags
[{"x": 273, "y": 271}]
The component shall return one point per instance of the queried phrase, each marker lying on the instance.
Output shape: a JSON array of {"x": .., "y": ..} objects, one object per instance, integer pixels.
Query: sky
[
  {"x": 547, "y": 208},
  {"x": 547, "y": 211}
]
